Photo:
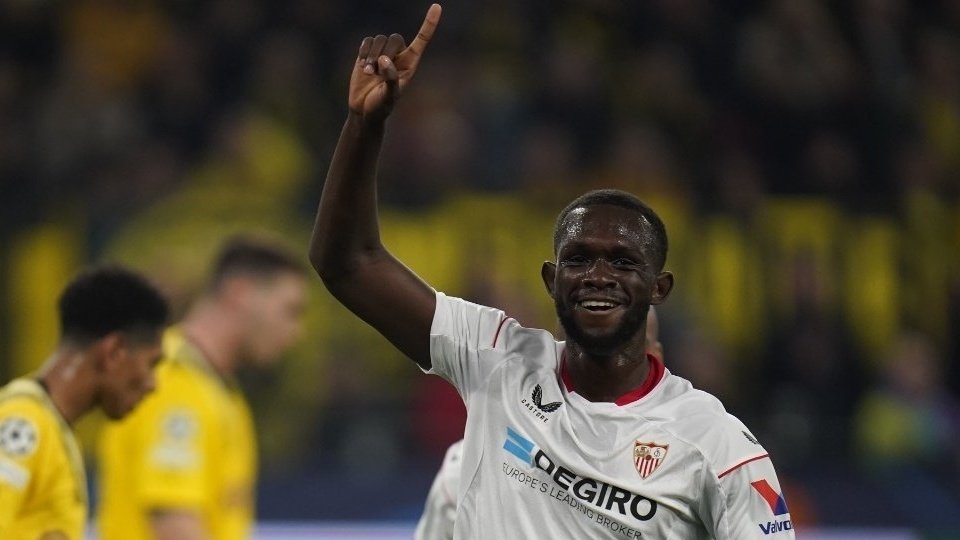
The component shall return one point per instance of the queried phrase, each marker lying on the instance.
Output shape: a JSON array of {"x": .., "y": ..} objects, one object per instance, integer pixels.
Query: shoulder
[
  {"x": 492, "y": 328},
  {"x": 450, "y": 470},
  {"x": 26, "y": 398},
  {"x": 529, "y": 341},
  {"x": 178, "y": 384},
  {"x": 183, "y": 369},
  {"x": 185, "y": 396},
  {"x": 700, "y": 420},
  {"x": 26, "y": 423},
  {"x": 453, "y": 456},
  {"x": 176, "y": 370},
  {"x": 687, "y": 407},
  {"x": 454, "y": 452}
]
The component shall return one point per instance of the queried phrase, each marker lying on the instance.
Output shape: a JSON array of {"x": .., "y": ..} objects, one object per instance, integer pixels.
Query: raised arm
[{"x": 345, "y": 247}]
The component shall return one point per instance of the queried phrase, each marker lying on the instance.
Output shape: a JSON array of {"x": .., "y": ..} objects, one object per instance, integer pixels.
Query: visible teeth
[{"x": 596, "y": 304}]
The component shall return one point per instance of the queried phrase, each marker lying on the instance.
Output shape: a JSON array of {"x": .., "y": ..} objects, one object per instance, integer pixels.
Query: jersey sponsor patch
[
  {"x": 18, "y": 437},
  {"x": 647, "y": 457}
]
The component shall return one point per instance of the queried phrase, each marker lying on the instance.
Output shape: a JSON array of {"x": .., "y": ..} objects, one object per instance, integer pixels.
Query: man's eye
[
  {"x": 574, "y": 261},
  {"x": 623, "y": 262}
]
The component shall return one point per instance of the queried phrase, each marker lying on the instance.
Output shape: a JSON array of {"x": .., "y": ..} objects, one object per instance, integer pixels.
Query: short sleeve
[
  {"x": 747, "y": 502},
  {"x": 464, "y": 340},
  {"x": 24, "y": 438}
]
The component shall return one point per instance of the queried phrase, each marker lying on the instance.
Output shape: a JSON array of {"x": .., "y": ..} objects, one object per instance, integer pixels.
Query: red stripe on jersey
[
  {"x": 741, "y": 464},
  {"x": 654, "y": 376},
  {"x": 497, "y": 335},
  {"x": 564, "y": 376}
]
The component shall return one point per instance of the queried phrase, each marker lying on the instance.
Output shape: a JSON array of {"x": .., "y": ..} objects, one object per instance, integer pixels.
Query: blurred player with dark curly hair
[{"x": 111, "y": 321}]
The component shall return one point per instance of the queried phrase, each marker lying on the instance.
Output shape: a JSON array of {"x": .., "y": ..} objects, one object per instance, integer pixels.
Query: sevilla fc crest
[{"x": 648, "y": 456}]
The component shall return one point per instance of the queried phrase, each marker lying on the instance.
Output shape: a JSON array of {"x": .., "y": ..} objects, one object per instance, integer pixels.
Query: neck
[
  {"x": 210, "y": 328},
  {"x": 66, "y": 379},
  {"x": 606, "y": 377}
]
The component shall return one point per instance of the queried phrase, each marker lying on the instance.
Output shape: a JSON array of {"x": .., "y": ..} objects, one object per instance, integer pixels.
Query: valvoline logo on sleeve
[{"x": 777, "y": 504}]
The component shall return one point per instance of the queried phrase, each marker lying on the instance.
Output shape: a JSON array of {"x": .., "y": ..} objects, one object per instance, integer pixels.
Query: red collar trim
[{"x": 654, "y": 376}]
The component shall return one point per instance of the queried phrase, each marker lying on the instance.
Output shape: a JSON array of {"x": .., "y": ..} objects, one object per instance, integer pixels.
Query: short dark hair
[
  {"x": 253, "y": 257},
  {"x": 616, "y": 197},
  {"x": 110, "y": 298}
]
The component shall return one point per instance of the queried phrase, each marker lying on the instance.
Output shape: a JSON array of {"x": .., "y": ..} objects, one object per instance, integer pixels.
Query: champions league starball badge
[
  {"x": 18, "y": 437},
  {"x": 648, "y": 456}
]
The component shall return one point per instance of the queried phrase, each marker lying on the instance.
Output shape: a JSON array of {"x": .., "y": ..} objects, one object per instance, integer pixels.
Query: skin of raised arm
[{"x": 345, "y": 247}]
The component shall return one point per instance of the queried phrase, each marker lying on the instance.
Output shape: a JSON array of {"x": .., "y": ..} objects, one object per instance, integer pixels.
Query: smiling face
[{"x": 604, "y": 279}]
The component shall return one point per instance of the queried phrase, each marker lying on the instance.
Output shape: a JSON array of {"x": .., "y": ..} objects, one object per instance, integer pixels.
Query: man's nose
[{"x": 599, "y": 274}]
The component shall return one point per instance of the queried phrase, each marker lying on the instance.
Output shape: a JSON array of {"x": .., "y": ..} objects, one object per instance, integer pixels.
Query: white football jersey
[
  {"x": 665, "y": 462},
  {"x": 440, "y": 510}
]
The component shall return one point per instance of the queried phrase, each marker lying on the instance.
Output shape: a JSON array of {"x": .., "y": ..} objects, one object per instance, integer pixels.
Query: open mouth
[{"x": 597, "y": 306}]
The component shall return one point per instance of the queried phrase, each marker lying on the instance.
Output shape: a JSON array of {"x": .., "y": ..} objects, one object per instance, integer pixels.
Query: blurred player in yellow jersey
[
  {"x": 183, "y": 467},
  {"x": 440, "y": 510},
  {"x": 111, "y": 321}
]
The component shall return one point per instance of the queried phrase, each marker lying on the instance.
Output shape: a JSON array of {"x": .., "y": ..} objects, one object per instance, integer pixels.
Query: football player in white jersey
[
  {"x": 440, "y": 509},
  {"x": 585, "y": 438}
]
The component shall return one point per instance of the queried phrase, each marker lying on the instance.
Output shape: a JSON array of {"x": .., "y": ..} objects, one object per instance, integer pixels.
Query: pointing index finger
[{"x": 419, "y": 43}]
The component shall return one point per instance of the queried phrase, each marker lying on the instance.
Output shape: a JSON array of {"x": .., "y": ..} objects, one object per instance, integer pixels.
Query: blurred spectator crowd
[{"x": 804, "y": 154}]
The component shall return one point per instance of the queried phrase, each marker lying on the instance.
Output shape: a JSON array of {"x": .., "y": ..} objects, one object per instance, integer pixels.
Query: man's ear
[
  {"x": 108, "y": 351},
  {"x": 662, "y": 288},
  {"x": 549, "y": 273}
]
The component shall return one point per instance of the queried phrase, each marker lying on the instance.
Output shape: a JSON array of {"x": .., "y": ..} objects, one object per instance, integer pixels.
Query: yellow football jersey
[
  {"x": 189, "y": 445},
  {"x": 43, "y": 489}
]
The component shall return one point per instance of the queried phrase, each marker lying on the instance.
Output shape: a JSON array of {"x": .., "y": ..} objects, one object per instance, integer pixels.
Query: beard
[{"x": 607, "y": 342}]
